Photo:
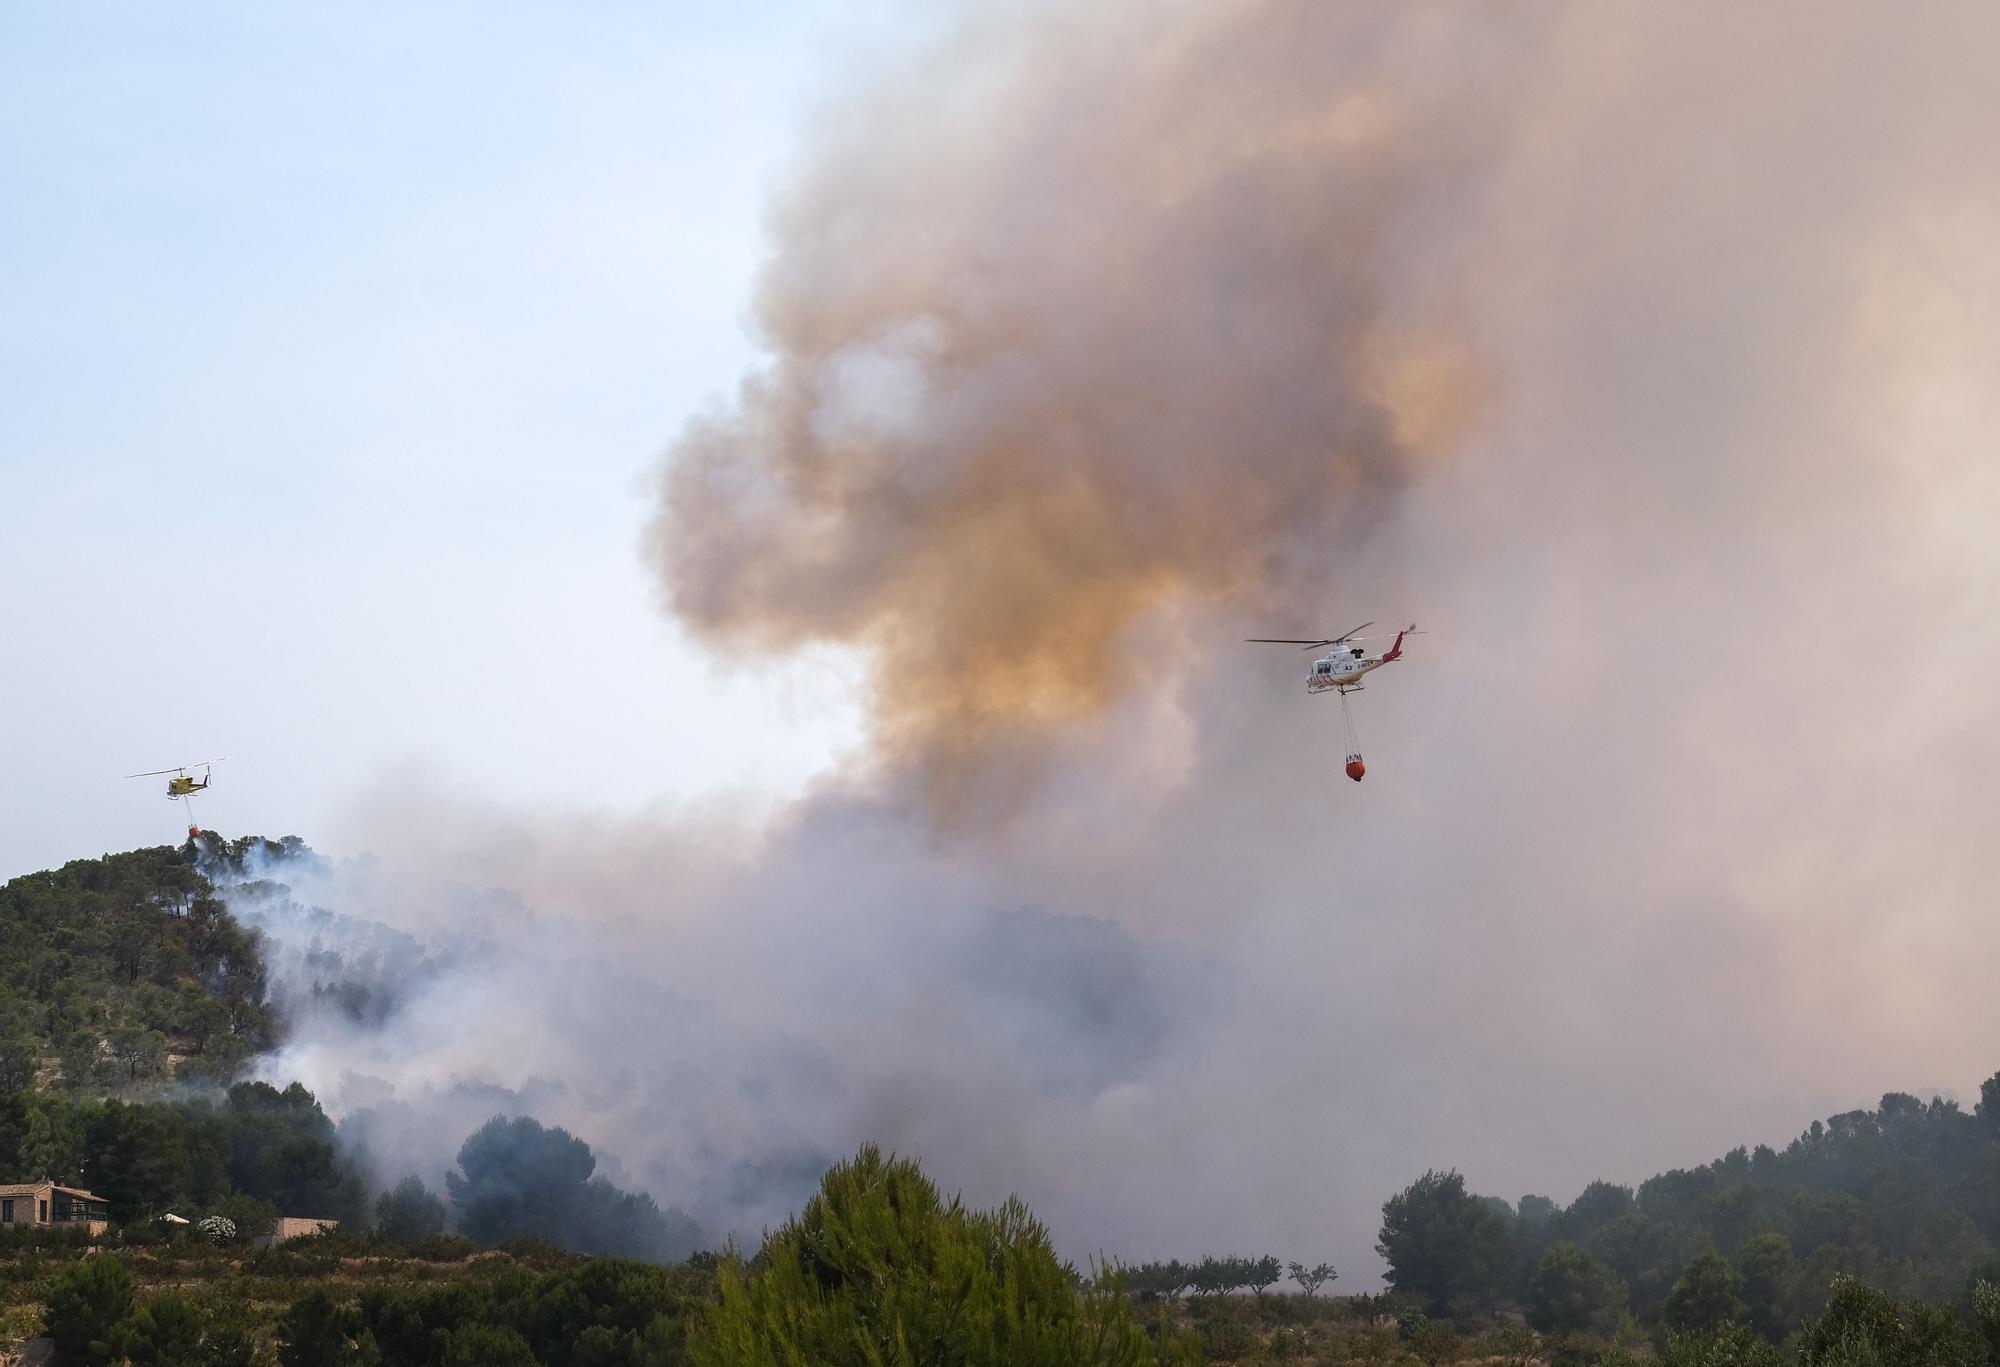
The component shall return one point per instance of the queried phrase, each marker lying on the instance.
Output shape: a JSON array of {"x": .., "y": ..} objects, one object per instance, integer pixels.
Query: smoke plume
[
  {"x": 1640, "y": 352},
  {"x": 1127, "y": 313}
]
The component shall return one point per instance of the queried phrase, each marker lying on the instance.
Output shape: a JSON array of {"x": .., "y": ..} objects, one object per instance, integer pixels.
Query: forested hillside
[
  {"x": 251, "y": 1154},
  {"x": 881, "y": 1267},
  {"x": 1869, "y": 1239},
  {"x": 131, "y": 998},
  {"x": 1905, "y": 1198},
  {"x": 125, "y": 970}
]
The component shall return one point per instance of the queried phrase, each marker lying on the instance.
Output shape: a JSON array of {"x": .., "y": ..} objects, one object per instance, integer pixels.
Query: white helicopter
[{"x": 1341, "y": 669}]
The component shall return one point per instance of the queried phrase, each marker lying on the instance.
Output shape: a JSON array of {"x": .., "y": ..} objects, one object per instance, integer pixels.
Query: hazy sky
[{"x": 334, "y": 346}]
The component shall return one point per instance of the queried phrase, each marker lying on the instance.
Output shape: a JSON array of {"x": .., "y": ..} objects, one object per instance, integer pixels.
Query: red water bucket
[{"x": 1355, "y": 768}]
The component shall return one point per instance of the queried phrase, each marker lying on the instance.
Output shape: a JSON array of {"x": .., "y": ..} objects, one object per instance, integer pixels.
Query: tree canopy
[
  {"x": 880, "y": 1270},
  {"x": 149, "y": 1157},
  {"x": 1575, "y": 1293},
  {"x": 1905, "y": 1198},
  {"x": 517, "y": 1177},
  {"x": 409, "y": 1211},
  {"x": 123, "y": 970},
  {"x": 1444, "y": 1246}
]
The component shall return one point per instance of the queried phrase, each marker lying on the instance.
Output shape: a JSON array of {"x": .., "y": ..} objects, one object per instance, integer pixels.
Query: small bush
[
  {"x": 537, "y": 1251},
  {"x": 167, "y": 1332},
  {"x": 320, "y": 1332},
  {"x": 488, "y": 1345},
  {"x": 18, "y": 1239},
  {"x": 444, "y": 1248},
  {"x": 253, "y": 1218},
  {"x": 87, "y": 1306},
  {"x": 1230, "y": 1339}
]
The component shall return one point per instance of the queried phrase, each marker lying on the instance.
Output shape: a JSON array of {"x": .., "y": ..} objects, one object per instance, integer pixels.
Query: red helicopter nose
[{"x": 1355, "y": 768}]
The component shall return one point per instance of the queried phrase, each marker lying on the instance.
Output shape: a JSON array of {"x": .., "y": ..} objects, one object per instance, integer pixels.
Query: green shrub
[
  {"x": 320, "y": 1332},
  {"x": 229, "y": 1346},
  {"x": 1868, "y": 1328},
  {"x": 488, "y": 1345},
  {"x": 166, "y": 1332},
  {"x": 410, "y": 1212},
  {"x": 444, "y": 1248},
  {"x": 87, "y": 1307},
  {"x": 535, "y": 1250},
  {"x": 1575, "y": 1293},
  {"x": 253, "y": 1218},
  {"x": 1229, "y": 1339},
  {"x": 1728, "y": 1345},
  {"x": 879, "y": 1268}
]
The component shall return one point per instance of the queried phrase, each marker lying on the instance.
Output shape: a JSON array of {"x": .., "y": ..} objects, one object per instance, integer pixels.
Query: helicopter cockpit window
[{"x": 1323, "y": 667}]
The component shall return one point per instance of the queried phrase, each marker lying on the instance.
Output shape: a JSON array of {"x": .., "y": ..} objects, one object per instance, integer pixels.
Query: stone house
[
  {"x": 51, "y": 1204},
  {"x": 293, "y": 1227}
]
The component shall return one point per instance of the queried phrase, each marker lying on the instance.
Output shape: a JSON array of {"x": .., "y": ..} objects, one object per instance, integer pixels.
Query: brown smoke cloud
[
  {"x": 1131, "y": 311},
  {"x": 1643, "y": 351},
  {"x": 1633, "y": 346}
]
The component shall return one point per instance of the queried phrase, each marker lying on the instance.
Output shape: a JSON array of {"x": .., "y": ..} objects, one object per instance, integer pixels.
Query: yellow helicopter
[{"x": 182, "y": 786}]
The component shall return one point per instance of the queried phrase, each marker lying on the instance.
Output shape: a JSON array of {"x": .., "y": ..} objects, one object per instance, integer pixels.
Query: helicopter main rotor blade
[
  {"x": 1310, "y": 645},
  {"x": 155, "y": 773}
]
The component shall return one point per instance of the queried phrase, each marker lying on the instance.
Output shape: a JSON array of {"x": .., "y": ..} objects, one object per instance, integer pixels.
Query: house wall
[
  {"x": 35, "y": 1204},
  {"x": 31, "y": 1201},
  {"x": 293, "y": 1227}
]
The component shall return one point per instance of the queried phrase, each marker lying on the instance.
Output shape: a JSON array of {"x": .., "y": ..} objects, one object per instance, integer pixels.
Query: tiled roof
[{"x": 33, "y": 1188}]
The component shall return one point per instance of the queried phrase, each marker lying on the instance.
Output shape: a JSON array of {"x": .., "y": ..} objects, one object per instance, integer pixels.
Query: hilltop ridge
[{"x": 126, "y": 971}]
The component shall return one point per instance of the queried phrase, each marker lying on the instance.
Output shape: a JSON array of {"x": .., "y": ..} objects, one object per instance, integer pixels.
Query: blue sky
[{"x": 336, "y": 345}]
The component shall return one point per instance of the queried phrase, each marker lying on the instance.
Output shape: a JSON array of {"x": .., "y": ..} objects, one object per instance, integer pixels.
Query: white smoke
[{"x": 1641, "y": 352}]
